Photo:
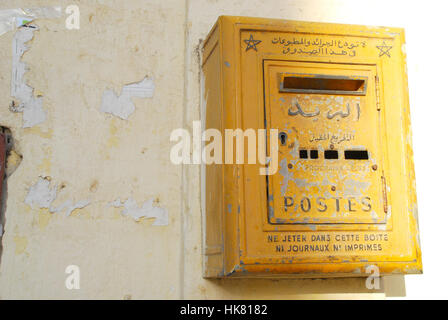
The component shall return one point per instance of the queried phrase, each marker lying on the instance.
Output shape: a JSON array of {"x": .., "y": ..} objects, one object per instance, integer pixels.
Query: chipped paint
[
  {"x": 41, "y": 195},
  {"x": 287, "y": 176},
  {"x": 12, "y": 18},
  {"x": 122, "y": 105},
  {"x": 329, "y": 178},
  {"x": 355, "y": 188},
  {"x": 28, "y": 103},
  {"x": 146, "y": 211},
  {"x": 69, "y": 206}
]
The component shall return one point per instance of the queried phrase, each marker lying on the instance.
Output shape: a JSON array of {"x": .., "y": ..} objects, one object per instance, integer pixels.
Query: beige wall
[{"x": 93, "y": 158}]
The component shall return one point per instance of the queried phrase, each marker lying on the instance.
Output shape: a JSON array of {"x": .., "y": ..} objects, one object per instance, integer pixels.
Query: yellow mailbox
[{"x": 343, "y": 195}]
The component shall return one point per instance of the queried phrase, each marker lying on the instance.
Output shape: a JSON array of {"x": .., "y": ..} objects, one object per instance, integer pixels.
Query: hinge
[{"x": 377, "y": 92}]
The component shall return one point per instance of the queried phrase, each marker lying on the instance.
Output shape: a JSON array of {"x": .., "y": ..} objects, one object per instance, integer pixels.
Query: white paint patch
[
  {"x": 11, "y": 18},
  {"x": 40, "y": 195},
  {"x": 31, "y": 106},
  {"x": 355, "y": 188},
  {"x": 287, "y": 176},
  {"x": 122, "y": 105},
  {"x": 69, "y": 206},
  {"x": 147, "y": 210}
]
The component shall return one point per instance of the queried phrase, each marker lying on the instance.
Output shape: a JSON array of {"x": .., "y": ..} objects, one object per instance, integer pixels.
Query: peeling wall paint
[
  {"x": 65, "y": 72},
  {"x": 29, "y": 104},
  {"x": 147, "y": 210},
  {"x": 10, "y": 18},
  {"x": 69, "y": 206},
  {"x": 122, "y": 105},
  {"x": 42, "y": 195}
]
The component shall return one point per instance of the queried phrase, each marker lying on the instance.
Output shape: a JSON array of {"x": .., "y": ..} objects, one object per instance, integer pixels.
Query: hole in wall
[{"x": 10, "y": 159}]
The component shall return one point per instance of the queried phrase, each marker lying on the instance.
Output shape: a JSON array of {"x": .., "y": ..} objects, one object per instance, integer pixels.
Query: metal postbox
[{"x": 343, "y": 197}]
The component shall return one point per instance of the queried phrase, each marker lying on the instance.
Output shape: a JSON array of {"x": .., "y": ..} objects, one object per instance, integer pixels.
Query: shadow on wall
[{"x": 333, "y": 288}]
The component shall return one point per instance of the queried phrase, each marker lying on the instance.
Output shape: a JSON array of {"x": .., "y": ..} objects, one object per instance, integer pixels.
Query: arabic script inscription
[{"x": 319, "y": 46}]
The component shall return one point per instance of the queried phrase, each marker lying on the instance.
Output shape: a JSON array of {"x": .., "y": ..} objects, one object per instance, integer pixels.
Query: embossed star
[
  {"x": 384, "y": 49},
  {"x": 251, "y": 43}
]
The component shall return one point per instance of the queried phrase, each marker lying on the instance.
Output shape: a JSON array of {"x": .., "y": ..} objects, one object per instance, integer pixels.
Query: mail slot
[
  {"x": 338, "y": 194},
  {"x": 330, "y": 84}
]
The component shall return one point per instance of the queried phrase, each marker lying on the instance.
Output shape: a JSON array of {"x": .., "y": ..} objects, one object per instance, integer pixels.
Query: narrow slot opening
[
  {"x": 323, "y": 84},
  {"x": 331, "y": 154},
  {"x": 303, "y": 154},
  {"x": 313, "y": 154},
  {"x": 356, "y": 154}
]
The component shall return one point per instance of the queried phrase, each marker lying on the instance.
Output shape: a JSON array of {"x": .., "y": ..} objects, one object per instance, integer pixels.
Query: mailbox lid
[{"x": 330, "y": 156}]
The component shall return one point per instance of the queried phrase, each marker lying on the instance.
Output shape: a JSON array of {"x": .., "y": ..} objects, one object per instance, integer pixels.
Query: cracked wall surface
[{"x": 92, "y": 120}]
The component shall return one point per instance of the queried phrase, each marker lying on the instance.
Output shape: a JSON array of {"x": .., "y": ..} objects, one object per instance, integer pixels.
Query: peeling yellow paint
[{"x": 319, "y": 188}]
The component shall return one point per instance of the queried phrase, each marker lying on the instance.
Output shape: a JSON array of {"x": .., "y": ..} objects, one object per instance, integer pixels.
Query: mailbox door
[{"x": 330, "y": 159}]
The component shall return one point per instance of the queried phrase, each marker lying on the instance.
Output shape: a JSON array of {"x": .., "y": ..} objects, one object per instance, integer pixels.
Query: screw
[
  {"x": 374, "y": 167},
  {"x": 333, "y": 188},
  {"x": 331, "y": 146},
  {"x": 290, "y": 166}
]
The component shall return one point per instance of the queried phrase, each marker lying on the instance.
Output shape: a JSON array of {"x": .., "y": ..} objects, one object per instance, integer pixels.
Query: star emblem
[
  {"x": 384, "y": 49},
  {"x": 251, "y": 43}
]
